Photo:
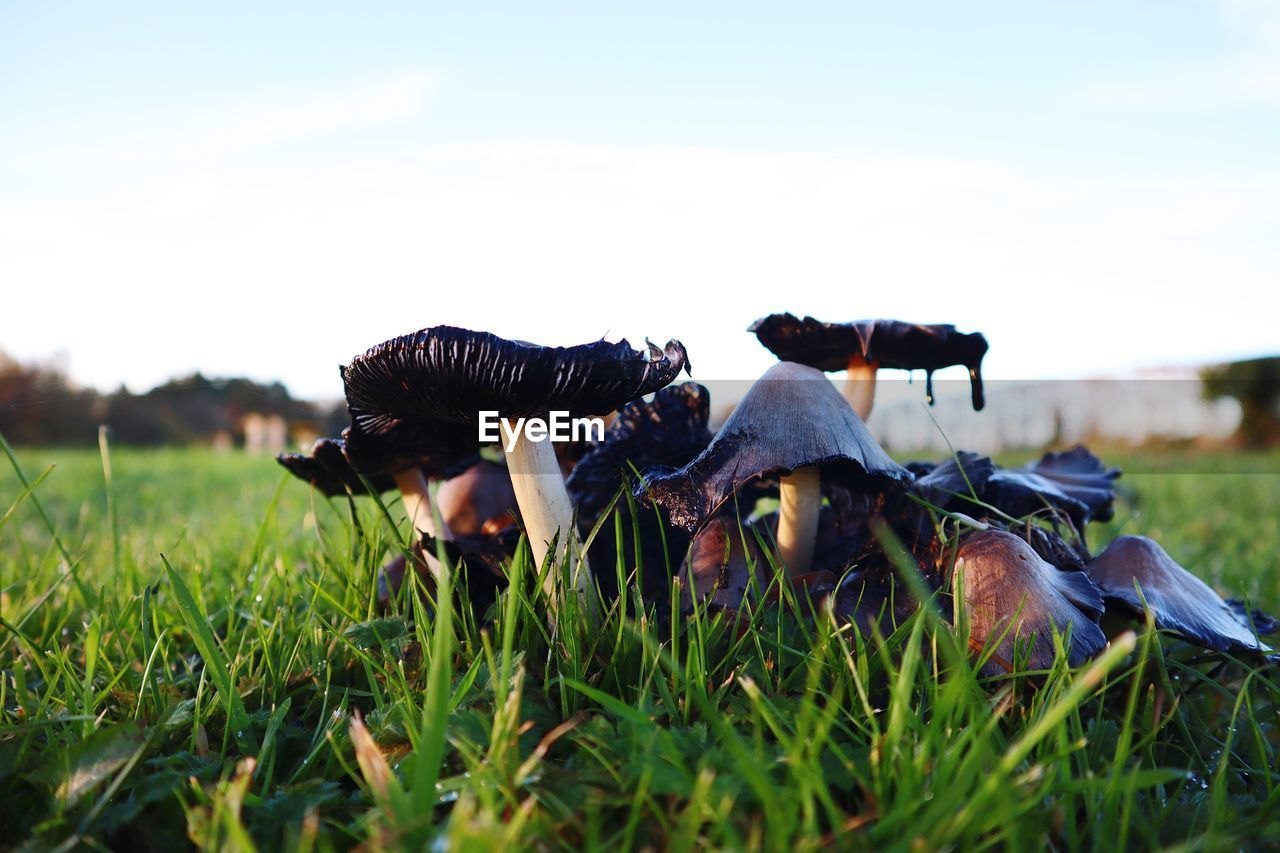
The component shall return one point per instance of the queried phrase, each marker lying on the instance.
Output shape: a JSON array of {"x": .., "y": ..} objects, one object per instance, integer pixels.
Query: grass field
[{"x": 186, "y": 643}]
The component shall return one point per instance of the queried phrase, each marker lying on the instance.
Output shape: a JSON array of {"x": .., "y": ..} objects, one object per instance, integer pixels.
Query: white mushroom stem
[
  {"x": 545, "y": 507},
  {"x": 801, "y": 501},
  {"x": 860, "y": 385},
  {"x": 416, "y": 498}
]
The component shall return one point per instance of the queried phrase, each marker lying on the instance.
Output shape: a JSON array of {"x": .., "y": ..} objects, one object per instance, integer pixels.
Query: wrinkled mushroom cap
[
  {"x": 423, "y": 392},
  {"x": 450, "y": 374},
  {"x": 1083, "y": 477},
  {"x": 1179, "y": 601},
  {"x": 886, "y": 343},
  {"x": 670, "y": 430},
  {"x": 1074, "y": 482},
  {"x": 791, "y": 418},
  {"x": 1007, "y": 584},
  {"x": 329, "y": 471}
]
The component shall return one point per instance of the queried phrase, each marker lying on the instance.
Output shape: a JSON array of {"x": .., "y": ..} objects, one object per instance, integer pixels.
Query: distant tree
[
  {"x": 40, "y": 405},
  {"x": 1256, "y": 385}
]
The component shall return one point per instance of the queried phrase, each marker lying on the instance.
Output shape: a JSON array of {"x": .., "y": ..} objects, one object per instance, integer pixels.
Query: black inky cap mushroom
[
  {"x": 329, "y": 471},
  {"x": 1074, "y": 482},
  {"x": 1179, "y": 601},
  {"x": 333, "y": 468},
  {"x": 864, "y": 346},
  {"x": 425, "y": 388},
  {"x": 792, "y": 424},
  {"x": 1015, "y": 599},
  {"x": 1082, "y": 476},
  {"x": 670, "y": 430},
  {"x": 478, "y": 502}
]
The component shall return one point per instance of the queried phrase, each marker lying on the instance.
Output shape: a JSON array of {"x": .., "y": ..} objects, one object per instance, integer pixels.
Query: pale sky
[{"x": 268, "y": 189}]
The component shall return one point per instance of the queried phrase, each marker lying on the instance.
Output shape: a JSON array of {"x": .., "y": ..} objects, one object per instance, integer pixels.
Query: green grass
[{"x": 185, "y": 648}]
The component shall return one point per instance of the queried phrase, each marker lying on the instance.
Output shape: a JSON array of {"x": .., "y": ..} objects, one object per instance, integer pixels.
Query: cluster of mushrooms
[{"x": 792, "y": 492}]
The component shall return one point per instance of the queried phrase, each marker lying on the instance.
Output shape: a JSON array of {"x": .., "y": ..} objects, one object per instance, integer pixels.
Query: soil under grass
[{"x": 185, "y": 645}]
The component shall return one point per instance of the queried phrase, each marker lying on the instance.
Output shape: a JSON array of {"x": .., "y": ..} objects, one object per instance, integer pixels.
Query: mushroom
[
  {"x": 1179, "y": 601},
  {"x": 1082, "y": 476},
  {"x": 430, "y": 386},
  {"x": 478, "y": 502},
  {"x": 1015, "y": 599},
  {"x": 863, "y": 347},
  {"x": 667, "y": 431},
  {"x": 1074, "y": 482},
  {"x": 726, "y": 570},
  {"x": 872, "y": 601},
  {"x": 336, "y": 466},
  {"x": 719, "y": 566},
  {"x": 329, "y": 471},
  {"x": 791, "y": 424},
  {"x": 723, "y": 557}
]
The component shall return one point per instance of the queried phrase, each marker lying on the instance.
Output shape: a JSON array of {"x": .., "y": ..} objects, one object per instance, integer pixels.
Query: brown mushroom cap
[
  {"x": 1179, "y": 601},
  {"x": 1015, "y": 598},
  {"x": 479, "y": 501}
]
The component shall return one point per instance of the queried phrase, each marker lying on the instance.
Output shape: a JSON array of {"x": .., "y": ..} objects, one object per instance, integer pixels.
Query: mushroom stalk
[
  {"x": 545, "y": 507},
  {"x": 801, "y": 501},
  {"x": 416, "y": 499},
  {"x": 860, "y": 385}
]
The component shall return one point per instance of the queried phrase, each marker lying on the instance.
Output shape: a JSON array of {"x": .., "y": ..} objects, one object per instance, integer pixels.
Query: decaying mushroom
[
  {"x": 478, "y": 502},
  {"x": 668, "y": 431},
  {"x": 427, "y": 387},
  {"x": 791, "y": 424},
  {"x": 1074, "y": 482},
  {"x": 332, "y": 469},
  {"x": 726, "y": 562},
  {"x": 1179, "y": 601},
  {"x": 1016, "y": 600},
  {"x": 863, "y": 347},
  {"x": 329, "y": 471}
]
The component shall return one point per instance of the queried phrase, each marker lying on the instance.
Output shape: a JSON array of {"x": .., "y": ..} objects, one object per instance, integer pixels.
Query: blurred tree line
[
  {"x": 40, "y": 405},
  {"x": 1255, "y": 384}
]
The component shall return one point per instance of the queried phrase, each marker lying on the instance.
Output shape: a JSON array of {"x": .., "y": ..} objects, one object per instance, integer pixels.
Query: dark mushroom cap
[
  {"x": 334, "y": 469},
  {"x": 670, "y": 430},
  {"x": 1007, "y": 584},
  {"x": 792, "y": 417},
  {"x": 1020, "y": 492},
  {"x": 1179, "y": 601},
  {"x": 327, "y": 469},
  {"x": 1082, "y": 476},
  {"x": 424, "y": 390},
  {"x": 887, "y": 343},
  {"x": 940, "y": 482}
]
